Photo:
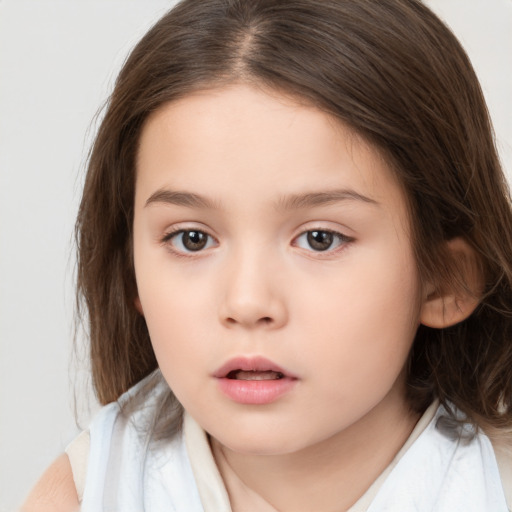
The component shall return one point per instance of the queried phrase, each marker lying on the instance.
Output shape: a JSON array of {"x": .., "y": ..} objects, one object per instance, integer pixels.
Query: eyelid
[{"x": 178, "y": 227}]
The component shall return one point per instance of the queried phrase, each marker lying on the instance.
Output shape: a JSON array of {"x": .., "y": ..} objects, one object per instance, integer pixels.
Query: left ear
[{"x": 452, "y": 303}]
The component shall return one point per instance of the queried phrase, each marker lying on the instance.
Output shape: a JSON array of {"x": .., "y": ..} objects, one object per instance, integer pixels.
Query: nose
[{"x": 253, "y": 295}]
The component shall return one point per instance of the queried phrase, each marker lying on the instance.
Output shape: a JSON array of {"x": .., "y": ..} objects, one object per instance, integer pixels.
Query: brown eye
[
  {"x": 189, "y": 240},
  {"x": 320, "y": 240}
]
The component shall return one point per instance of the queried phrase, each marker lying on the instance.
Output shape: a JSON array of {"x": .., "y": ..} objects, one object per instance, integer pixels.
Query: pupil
[
  {"x": 320, "y": 240},
  {"x": 194, "y": 240}
]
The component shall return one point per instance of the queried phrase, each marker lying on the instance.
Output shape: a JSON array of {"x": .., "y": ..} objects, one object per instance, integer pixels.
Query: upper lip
[{"x": 250, "y": 364}]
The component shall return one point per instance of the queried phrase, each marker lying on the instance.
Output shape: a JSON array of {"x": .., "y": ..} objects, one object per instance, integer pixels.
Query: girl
[{"x": 295, "y": 251}]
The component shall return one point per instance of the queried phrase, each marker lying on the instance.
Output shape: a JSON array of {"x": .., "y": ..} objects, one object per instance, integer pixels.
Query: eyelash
[{"x": 343, "y": 240}]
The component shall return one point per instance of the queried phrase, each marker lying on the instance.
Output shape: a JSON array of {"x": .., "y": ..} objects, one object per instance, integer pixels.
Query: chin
[{"x": 263, "y": 439}]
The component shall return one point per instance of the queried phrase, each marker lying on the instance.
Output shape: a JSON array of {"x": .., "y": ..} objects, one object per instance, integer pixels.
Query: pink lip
[{"x": 255, "y": 392}]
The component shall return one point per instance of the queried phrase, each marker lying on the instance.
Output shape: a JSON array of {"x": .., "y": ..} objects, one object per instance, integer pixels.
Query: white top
[{"x": 432, "y": 471}]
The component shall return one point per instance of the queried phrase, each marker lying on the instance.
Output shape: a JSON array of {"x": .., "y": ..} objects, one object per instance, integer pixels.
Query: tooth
[{"x": 250, "y": 375}]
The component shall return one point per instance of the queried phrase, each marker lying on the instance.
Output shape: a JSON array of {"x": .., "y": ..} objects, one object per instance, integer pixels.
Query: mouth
[
  {"x": 254, "y": 380},
  {"x": 252, "y": 368}
]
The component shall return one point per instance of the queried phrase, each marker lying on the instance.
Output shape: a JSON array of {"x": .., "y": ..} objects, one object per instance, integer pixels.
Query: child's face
[{"x": 292, "y": 244}]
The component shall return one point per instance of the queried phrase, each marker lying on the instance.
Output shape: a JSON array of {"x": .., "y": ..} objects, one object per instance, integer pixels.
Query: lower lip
[{"x": 256, "y": 392}]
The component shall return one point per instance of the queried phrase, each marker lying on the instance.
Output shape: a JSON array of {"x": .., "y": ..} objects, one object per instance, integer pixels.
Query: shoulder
[{"x": 55, "y": 491}]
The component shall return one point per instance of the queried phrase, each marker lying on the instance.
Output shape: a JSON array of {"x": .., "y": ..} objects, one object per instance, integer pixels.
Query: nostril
[{"x": 249, "y": 320}]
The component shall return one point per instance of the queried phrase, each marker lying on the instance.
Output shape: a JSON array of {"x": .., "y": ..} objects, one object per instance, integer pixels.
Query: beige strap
[
  {"x": 210, "y": 486},
  {"x": 78, "y": 453}
]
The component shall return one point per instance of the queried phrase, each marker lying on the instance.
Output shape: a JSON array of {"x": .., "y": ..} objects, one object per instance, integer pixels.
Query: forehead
[{"x": 242, "y": 144}]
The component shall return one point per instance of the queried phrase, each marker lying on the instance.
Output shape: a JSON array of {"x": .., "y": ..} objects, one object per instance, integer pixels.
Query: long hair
[{"x": 393, "y": 73}]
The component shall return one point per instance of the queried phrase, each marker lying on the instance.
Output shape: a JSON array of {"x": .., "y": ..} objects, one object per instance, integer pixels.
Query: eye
[
  {"x": 321, "y": 240},
  {"x": 189, "y": 240}
]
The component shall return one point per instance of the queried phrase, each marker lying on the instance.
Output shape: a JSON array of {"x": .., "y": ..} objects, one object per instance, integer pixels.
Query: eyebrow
[
  {"x": 182, "y": 198},
  {"x": 288, "y": 202},
  {"x": 311, "y": 199}
]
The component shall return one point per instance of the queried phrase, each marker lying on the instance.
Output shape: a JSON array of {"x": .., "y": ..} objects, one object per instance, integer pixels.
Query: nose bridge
[{"x": 252, "y": 295}]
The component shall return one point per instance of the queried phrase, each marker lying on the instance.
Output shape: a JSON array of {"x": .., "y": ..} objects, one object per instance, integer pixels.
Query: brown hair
[{"x": 396, "y": 75}]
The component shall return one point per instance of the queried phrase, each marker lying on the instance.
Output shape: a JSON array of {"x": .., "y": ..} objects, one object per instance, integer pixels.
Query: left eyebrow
[{"x": 311, "y": 199}]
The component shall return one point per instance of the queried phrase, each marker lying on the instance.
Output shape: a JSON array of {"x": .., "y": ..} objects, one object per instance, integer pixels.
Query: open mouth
[
  {"x": 254, "y": 380},
  {"x": 254, "y": 375},
  {"x": 255, "y": 368}
]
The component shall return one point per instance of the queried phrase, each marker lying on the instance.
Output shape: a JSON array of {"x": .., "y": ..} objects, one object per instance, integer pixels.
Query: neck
[{"x": 328, "y": 476}]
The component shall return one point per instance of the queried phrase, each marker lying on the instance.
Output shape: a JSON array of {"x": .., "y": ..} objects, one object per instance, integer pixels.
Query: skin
[
  {"x": 341, "y": 320},
  {"x": 55, "y": 491}
]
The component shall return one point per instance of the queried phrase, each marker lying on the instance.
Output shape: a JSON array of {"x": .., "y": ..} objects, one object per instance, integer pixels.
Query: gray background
[{"x": 58, "y": 60}]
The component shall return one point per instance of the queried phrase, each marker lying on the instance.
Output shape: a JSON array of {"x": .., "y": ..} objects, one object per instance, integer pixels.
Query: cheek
[
  {"x": 175, "y": 336},
  {"x": 364, "y": 323},
  {"x": 172, "y": 316},
  {"x": 171, "y": 306}
]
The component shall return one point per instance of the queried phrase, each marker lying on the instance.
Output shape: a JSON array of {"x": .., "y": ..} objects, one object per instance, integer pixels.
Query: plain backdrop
[{"x": 58, "y": 61}]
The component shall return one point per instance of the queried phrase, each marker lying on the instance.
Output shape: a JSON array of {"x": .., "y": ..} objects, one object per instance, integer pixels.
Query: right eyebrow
[{"x": 179, "y": 198}]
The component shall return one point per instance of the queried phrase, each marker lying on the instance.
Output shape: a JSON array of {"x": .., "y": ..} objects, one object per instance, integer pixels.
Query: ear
[
  {"x": 452, "y": 303},
  {"x": 138, "y": 305}
]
